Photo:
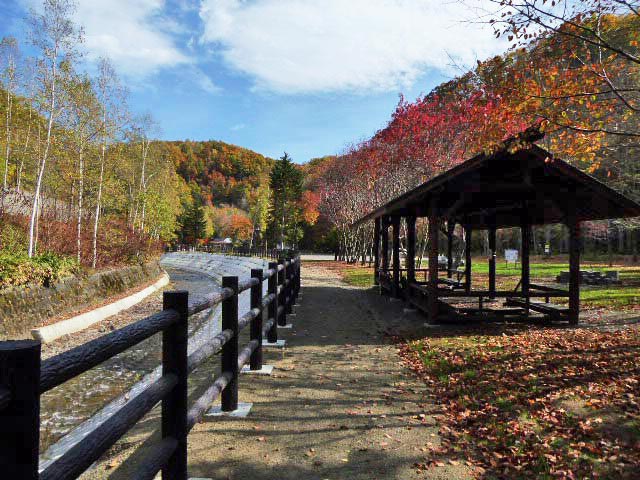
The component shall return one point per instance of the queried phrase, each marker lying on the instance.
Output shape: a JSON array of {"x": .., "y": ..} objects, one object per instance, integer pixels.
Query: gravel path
[{"x": 339, "y": 405}]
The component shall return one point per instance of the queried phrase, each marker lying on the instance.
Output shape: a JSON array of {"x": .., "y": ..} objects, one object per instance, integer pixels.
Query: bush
[
  {"x": 18, "y": 269},
  {"x": 13, "y": 238}
]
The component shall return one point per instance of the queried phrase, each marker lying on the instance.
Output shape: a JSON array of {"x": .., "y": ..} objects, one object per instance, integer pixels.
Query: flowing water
[{"x": 72, "y": 410}]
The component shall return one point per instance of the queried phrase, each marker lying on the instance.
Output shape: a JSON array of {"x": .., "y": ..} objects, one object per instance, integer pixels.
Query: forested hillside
[
  {"x": 224, "y": 173},
  {"x": 231, "y": 183}
]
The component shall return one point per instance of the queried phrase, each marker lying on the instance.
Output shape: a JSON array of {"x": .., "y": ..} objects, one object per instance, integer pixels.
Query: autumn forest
[
  {"x": 368, "y": 247},
  {"x": 86, "y": 178}
]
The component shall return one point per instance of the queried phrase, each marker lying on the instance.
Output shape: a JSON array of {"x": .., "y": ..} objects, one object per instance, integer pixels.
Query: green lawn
[
  {"x": 614, "y": 297},
  {"x": 359, "y": 276},
  {"x": 623, "y": 296},
  {"x": 550, "y": 270}
]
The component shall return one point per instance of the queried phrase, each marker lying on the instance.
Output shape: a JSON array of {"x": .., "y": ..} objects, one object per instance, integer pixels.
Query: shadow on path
[{"x": 339, "y": 405}]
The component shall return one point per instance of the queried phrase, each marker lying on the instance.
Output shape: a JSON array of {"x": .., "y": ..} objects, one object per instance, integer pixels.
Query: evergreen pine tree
[
  {"x": 286, "y": 189},
  {"x": 193, "y": 225}
]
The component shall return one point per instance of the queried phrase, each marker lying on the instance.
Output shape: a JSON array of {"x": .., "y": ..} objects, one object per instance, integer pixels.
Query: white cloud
[
  {"x": 299, "y": 46},
  {"x": 132, "y": 33},
  {"x": 203, "y": 80},
  {"x": 140, "y": 37},
  {"x": 237, "y": 127}
]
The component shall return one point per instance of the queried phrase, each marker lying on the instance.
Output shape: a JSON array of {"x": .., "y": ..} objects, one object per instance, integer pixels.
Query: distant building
[{"x": 221, "y": 241}]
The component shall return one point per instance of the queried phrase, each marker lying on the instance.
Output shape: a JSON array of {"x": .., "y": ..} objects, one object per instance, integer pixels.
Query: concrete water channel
[{"x": 71, "y": 411}]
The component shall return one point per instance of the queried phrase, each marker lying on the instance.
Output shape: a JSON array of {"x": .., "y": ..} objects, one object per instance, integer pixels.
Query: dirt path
[{"x": 339, "y": 405}]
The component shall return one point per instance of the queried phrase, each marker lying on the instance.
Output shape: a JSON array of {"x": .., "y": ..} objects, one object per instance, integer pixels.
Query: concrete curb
[{"x": 80, "y": 322}]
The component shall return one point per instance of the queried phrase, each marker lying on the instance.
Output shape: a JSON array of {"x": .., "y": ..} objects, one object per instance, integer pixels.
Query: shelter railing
[
  {"x": 24, "y": 377},
  {"x": 424, "y": 273}
]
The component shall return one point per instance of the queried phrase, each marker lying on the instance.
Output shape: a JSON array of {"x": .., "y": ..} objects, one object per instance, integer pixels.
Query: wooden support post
[
  {"x": 451, "y": 225},
  {"x": 492, "y": 262},
  {"x": 174, "y": 361},
  {"x": 526, "y": 253},
  {"x": 411, "y": 250},
  {"x": 255, "y": 361},
  {"x": 468, "y": 236},
  {"x": 433, "y": 264},
  {"x": 230, "y": 349},
  {"x": 376, "y": 250},
  {"x": 385, "y": 245},
  {"x": 282, "y": 319},
  {"x": 20, "y": 418},
  {"x": 396, "y": 256},
  {"x": 272, "y": 289},
  {"x": 574, "y": 266}
]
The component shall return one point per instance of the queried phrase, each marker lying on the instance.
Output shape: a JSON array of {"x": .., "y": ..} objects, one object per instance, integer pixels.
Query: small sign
[{"x": 511, "y": 256}]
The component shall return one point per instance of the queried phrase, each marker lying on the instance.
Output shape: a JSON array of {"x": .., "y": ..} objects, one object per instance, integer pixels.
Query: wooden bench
[
  {"x": 551, "y": 309},
  {"x": 453, "y": 284}
]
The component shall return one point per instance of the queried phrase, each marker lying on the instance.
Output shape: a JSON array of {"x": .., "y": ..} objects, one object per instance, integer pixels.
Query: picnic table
[{"x": 592, "y": 277}]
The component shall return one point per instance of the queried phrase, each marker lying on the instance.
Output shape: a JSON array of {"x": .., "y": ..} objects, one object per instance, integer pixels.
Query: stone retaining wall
[{"x": 25, "y": 308}]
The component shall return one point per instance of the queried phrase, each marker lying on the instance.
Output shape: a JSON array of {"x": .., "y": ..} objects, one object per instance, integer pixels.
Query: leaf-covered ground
[{"x": 535, "y": 402}]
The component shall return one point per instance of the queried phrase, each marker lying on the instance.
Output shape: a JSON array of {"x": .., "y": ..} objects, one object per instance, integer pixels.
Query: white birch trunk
[
  {"x": 45, "y": 154},
  {"x": 24, "y": 153},
  {"x": 98, "y": 203},
  {"x": 80, "y": 199},
  {"x": 5, "y": 181}
]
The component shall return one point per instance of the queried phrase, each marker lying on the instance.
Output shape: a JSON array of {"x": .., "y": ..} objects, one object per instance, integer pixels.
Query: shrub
[
  {"x": 18, "y": 269},
  {"x": 13, "y": 238}
]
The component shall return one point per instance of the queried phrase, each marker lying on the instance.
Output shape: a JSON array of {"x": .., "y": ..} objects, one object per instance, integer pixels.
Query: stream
[{"x": 72, "y": 410}]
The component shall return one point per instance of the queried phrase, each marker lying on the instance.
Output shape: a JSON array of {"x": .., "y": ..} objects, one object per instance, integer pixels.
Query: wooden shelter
[{"x": 517, "y": 185}]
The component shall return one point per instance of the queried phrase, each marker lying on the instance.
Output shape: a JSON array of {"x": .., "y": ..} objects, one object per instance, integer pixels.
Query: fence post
[
  {"x": 230, "y": 349},
  {"x": 255, "y": 362},
  {"x": 282, "y": 320},
  {"x": 294, "y": 275},
  {"x": 20, "y": 418},
  {"x": 174, "y": 361},
  {"x": 299, "y": 281},
  {"x": 294, "y": 281},
  {"x": 289, "y": 288},
  {"x": 272, "y": 335}
]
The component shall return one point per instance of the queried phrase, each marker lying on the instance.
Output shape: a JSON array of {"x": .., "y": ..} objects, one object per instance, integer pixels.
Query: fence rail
[{"x": 24, "y": 376}]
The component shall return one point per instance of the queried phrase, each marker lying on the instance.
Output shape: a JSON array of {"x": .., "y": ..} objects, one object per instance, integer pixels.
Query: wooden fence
[{"x": 24, "y": 377}]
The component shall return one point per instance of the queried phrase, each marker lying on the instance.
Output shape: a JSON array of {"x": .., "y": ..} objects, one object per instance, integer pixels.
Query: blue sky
[{"x": 305, "y": 76}]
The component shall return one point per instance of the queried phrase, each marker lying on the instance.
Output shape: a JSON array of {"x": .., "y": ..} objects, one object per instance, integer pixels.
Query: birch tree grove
[
  {"x": 83, "y": 120},
  {"x": 8, "y": 57},
  {"x": 111, "y": 96},
  {"x": 81, "y": 175},
  {"x": 57, "y": 38}
]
